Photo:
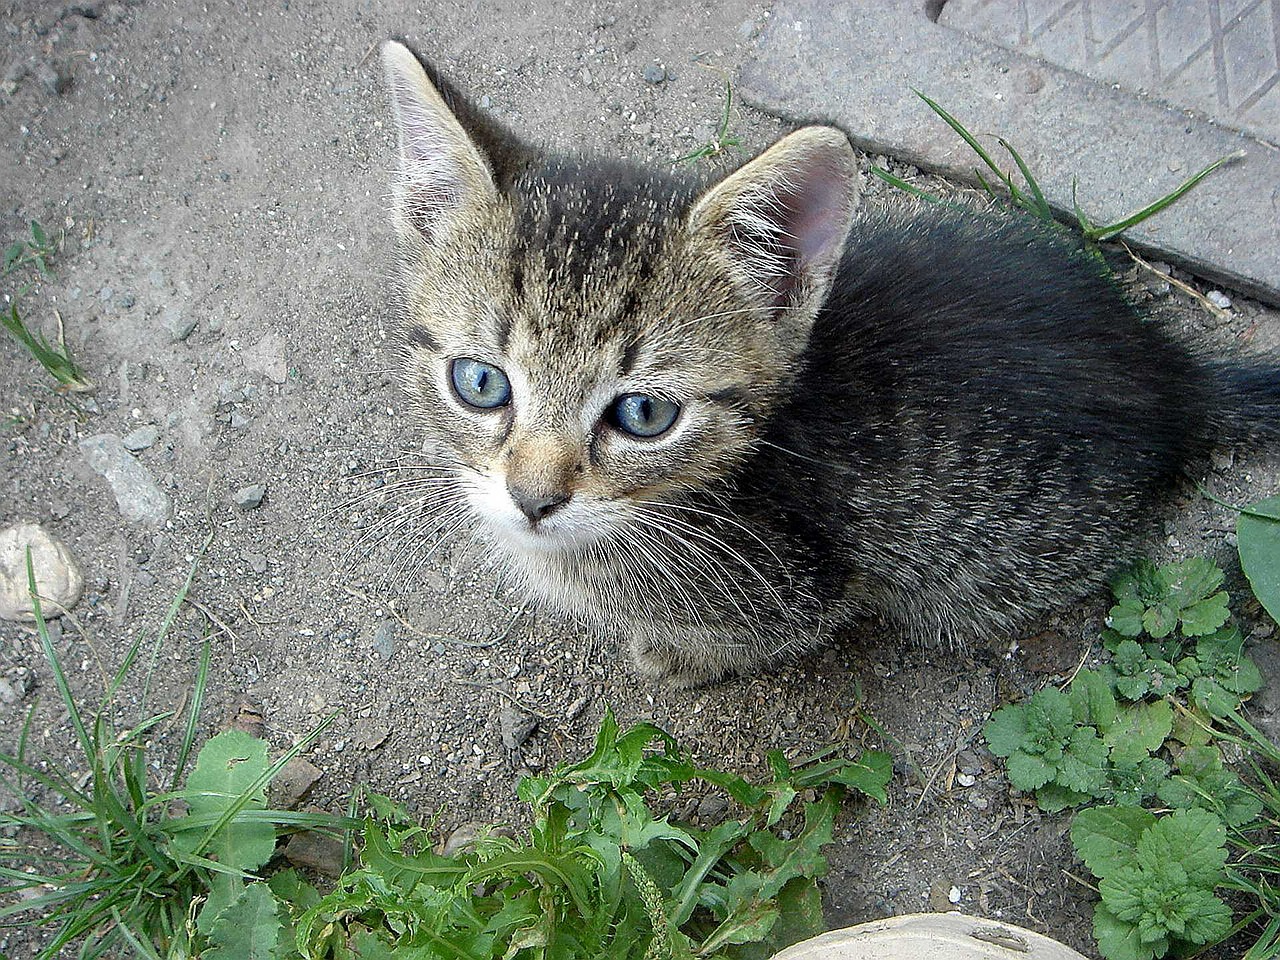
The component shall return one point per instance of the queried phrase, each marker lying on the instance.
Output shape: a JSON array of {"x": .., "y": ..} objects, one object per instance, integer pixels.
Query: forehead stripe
[{"x": 420, "y": 336}]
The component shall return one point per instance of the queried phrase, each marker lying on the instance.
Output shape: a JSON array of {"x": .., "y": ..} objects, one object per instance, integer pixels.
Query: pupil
[
  {"x": 482, "y": 377},
  {"x": 645, "y": 411}
]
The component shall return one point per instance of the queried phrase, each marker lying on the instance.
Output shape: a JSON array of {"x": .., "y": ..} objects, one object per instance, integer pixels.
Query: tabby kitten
[{"x": 723, "y": 420}]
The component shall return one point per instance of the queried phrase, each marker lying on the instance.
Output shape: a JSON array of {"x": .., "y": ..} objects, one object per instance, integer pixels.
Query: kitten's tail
[{"x": 1248, "y": 407}]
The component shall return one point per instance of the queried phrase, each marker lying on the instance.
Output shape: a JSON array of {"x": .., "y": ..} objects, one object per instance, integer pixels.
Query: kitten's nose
[{"x": 535, "y": 506}]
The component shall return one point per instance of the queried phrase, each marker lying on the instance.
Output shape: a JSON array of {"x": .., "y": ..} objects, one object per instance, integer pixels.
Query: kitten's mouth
[{"x": 572, "y": 528}]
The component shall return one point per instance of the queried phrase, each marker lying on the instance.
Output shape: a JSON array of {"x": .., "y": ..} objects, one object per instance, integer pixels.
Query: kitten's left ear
[
  {"x": 782, "y": 219},
  {"x": 444, "y": 178}
]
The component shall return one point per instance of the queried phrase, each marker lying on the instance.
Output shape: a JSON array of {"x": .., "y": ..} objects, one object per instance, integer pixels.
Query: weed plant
[{"x": 37, "y": 251}]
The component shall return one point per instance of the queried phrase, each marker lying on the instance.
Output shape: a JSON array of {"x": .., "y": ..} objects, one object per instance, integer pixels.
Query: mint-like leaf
[
  {"x": 1107, "y": 837},
  {"x": 1194, "y": 839},
  {"x": 1119, "y": 940}
]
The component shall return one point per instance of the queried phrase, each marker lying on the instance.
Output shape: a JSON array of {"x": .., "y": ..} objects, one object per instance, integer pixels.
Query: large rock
[
  {"x": 137, "y": 493},
  {"x": 58, "y": 578}
]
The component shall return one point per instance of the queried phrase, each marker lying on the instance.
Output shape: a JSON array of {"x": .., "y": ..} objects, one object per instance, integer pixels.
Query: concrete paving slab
[
  {"x": 857, "y": 64},
  {"x": 1221, "y": 59}
]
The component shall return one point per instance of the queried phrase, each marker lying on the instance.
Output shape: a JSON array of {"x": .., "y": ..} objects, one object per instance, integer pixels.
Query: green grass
[
  {"x": 36, "y": 251},
  {"x": 1026, "y": 195},
  {"x": 113, "y": 859},
  {"x": 117, "y": 861},
  {"x": 723, "y": 140}
]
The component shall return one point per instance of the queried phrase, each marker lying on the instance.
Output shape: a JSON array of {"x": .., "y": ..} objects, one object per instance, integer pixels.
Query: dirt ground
[{"x": 218, "y": 173}]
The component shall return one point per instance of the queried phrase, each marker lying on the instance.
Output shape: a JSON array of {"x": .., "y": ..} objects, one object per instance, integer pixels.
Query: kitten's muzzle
[{"x": 535, "y": 506}]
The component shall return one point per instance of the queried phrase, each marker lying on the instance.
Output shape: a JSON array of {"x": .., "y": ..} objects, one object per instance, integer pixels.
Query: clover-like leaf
[{"x": 1125, "y": 618}]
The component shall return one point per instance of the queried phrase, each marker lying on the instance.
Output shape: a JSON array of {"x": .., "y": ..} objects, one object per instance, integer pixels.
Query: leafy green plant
[
  {"x": 1157, "y": 878},
  {"x": 1082, "y": 745},
  {"x": 1158, "y": 600},
  {"x": 37, "y": 250},
  {"x": 1029, "y": 197},
  {"x": 1258, "y": 537},
  {"x": 722, "y": 140},
  {"x": 1149, "y": 728},
  {"x": 599, "y": 874},
  {"x": 54, "y": 357},
  {"x": 119, "y": 863},
  {"x": 34, "y": 250}
]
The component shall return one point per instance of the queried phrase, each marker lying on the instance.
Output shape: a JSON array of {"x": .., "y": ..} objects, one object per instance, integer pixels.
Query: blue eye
[
  {"x": 643, "y": 416},
  {"x": 479, "y": 384}
]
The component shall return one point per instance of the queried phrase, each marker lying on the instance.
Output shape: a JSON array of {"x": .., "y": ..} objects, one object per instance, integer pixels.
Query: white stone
[{"x": 58, "y": 578}]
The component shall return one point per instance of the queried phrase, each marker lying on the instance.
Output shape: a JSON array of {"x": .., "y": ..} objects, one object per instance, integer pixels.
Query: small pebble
[
  {"x": 1218, "y": 299},
  {"x": 654, "y": 73},
  {"x": 249, "y": 497},
  {"x": 57, "y": 574},
  {"x": 178, "y": 322},
  {"x": 966, "y": 780},
  {"x": 384, "y": 640},
  {"x": 142, "y": 438}
]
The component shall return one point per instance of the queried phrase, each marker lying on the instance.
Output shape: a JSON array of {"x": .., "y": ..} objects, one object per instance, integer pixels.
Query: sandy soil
[{"x": 217, "y": 172}]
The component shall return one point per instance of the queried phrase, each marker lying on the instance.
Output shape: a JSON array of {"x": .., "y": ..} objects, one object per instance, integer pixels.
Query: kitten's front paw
[{"x": 670, "y": 670}]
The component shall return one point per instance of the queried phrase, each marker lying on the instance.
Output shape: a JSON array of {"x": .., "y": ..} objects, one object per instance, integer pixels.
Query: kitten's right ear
[{"x": 443, "y": 176}]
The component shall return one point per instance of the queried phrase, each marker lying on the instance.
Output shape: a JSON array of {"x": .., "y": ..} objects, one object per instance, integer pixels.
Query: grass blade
[
  {"x": 1042, "y": 209},
  {"x": 59, "y": 678},
  {"x": 905, "y": 187},
  {"x": 1111, "y": 229},
  {"x": 193, "y": 717}
]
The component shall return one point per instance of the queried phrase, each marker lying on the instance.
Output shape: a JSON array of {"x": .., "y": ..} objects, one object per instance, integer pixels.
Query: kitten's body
[{"x": 944, "y": 421}]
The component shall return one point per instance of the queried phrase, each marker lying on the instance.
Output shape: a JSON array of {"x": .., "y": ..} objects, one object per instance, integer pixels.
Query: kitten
[{"x": 724, "y": 420}]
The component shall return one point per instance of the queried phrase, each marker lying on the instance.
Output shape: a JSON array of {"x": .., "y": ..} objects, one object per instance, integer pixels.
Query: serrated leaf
[
  {"x": 1133, "y": 688},
  {"x": 1084, "y": 764},
  {"x": 1258, "y": 540},
  {"x": 1139, "y": 730},
  {"x": 1053, "y": 797},
  {"x": 1206, "y": 616},
  {"x": 1213, "y": 698},
  {"x": 1190, "y": 581},
  {"x": 1131, "y": 783},
  {"x": 800, "y": 914},
  {"x": 1193, "y": 839},
  {"x": 1106, "y": 838},
  {"x": 1160, "y": 619},
  {"x": 1006, "y": 731},
  {"x": 1207, "y": 918},
  {"x": 1222, "y": 655},
  {"x": 1027, "y": 772},
  {"x": 248, "y": 929},
  {"x": 1117, "y": 939},
  {"x": 1125, "y": 618},
  {"x": 801, "y": 856},
  {"x": 226, "y": 767},
  {"x": 1124, "y": 893},
  {"x": 869, "y": 774},
  {"x": 1092, "y": 700}
]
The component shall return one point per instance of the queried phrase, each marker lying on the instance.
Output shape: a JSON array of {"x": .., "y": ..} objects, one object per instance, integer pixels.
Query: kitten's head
[{"x": 583, "y": 339}]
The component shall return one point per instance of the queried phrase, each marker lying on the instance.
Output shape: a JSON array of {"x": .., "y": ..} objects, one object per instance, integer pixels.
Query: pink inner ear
[
  {"x": 815, "y": 214},
  {"x": 794, "y": 227},
  {"x": 432, "y": 183}
]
